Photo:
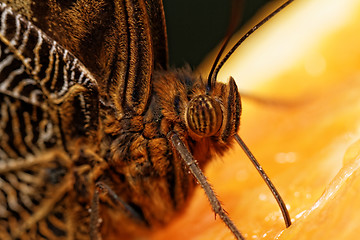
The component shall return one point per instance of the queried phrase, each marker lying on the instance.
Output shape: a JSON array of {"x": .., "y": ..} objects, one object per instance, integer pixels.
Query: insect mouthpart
[{"x": 203, "y": 116}]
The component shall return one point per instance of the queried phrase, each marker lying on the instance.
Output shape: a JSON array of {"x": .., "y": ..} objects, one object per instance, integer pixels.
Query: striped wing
[
  {"x": 48, "y": 104},
  {"x": 120, "y": 42}
]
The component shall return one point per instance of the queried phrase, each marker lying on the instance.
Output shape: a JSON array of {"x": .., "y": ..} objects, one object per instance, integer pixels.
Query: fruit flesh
[{"x": 304, "y": 131}]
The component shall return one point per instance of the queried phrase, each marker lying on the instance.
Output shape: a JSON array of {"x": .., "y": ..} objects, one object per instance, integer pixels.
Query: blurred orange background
[{"x": 300, "y": 76}]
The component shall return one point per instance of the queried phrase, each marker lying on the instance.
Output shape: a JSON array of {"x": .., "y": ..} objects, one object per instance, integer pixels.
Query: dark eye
[{"x": 204, "y": 116}]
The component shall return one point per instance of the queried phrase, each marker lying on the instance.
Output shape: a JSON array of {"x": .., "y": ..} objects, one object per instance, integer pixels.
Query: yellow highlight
[{"x": 304, "y": 65}]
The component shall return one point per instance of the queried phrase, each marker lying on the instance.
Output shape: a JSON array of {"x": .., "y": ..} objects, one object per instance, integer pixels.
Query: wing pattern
[
  {"x": 50, "y": 114},
  {"x": 47, "y": 99}
]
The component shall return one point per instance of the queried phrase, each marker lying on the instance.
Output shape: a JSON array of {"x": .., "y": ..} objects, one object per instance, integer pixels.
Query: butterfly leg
[
  {"x": 95, "y": 220},
  {"x": 200, "y": 177}
]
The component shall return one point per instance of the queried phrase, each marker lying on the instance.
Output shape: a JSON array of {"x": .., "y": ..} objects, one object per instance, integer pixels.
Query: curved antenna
[
  {"x": 235, "y": 18},
  {"x": 267, "y": 180},
  {"x": 242, "y": 39}
]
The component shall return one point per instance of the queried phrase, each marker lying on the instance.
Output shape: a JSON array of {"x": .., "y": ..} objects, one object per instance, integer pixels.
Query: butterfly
[{"x": 98, "y": 134}]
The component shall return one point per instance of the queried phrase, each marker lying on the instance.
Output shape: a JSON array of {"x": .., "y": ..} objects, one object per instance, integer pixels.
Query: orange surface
[{"x": 308, "y": 142}]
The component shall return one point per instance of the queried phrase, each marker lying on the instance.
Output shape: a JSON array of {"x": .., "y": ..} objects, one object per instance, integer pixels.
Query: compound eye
[{"x": 204, "y": 116}]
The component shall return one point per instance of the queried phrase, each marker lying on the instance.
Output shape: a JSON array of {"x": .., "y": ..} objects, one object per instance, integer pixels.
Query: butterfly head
[
  {"x": 216, "y": 113},
  {"x": 204, "y": 116}
]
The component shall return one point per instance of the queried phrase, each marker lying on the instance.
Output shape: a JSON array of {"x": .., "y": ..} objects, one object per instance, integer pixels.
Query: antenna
[
  {"x": 213, "y": 75},
  {"x": 212, "y": 79},
  {"x": 267, "y": 180},
  {"x": 235, "y": 18}
]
